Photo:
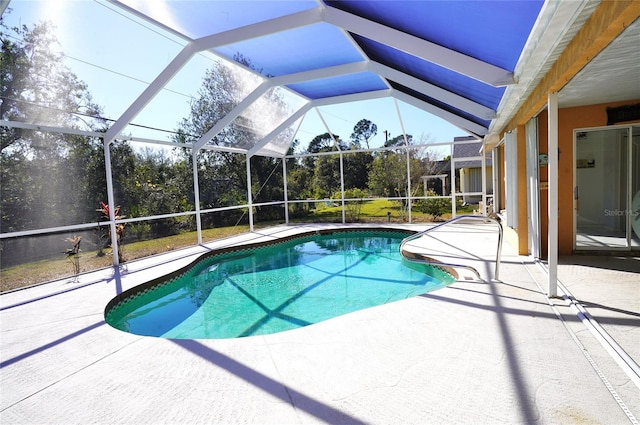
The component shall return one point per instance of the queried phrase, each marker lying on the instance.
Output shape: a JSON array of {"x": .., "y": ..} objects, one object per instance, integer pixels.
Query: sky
[{"x": 118, "y": 56}]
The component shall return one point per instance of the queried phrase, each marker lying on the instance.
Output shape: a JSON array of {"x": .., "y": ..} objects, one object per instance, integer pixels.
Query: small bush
[
  {"x": 435, "y": 207},
  {"x": 353, "y": 208}
]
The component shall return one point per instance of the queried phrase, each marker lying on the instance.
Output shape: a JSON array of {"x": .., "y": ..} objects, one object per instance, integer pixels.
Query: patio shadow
[{"x": 297, "y": 399}]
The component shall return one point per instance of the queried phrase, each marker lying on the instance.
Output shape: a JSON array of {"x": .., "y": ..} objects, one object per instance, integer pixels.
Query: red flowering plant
[{"x": 104, "y": 209}]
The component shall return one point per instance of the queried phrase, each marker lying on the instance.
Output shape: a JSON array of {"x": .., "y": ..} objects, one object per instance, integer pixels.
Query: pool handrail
[{"x": 484, "y": 219}]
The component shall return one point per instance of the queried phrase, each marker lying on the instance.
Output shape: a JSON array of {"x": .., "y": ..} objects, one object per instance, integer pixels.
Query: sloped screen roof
[
  {"x": 452, "y": 56},
  {"x": 452, "y": 59}
]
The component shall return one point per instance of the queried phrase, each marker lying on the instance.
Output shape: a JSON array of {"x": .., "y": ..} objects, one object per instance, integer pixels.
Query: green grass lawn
[
  {"x": 42, "y": 271},
  {"x": 45, "y": 270},
  {"x": 377, "y": 211}
]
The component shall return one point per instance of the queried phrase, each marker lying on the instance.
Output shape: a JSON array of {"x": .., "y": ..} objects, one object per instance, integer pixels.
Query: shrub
[
  {"x": 353, "y": 208},
  {"x": 435, "y": 207}
]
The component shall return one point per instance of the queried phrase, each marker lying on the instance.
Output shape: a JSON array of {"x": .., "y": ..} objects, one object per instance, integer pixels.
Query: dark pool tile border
[{"x": 168, "y": 278}]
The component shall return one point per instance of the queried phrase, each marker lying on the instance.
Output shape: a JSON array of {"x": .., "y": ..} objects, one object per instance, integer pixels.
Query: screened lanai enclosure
[{"x": 130, "y": 128}]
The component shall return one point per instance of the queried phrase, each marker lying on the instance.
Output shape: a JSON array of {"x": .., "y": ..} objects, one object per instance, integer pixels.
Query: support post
[
  {"x": 406, "y": 146},
  {"x": 408, "y": 181},
  {"x": 249, "y": 194},
  {"x": 452, "y": 189},
  {"x": 552, "y": 107},
  {"x": 344, "y": 216},
  {"x": 484, "y": 178},
  {"x": 111, "y": 203},
  {"x": 286, "y": 195},
  {"x": 196, "y": 194}
]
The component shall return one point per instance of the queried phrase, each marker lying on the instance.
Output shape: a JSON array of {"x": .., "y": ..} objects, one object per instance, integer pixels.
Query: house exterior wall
[
  {"x": 608, "y": 20},
  {"x": 523, "y": 223},
  {"x": 471, "y": 181},
  {"x": 569, "y": 119},
  {"x": 501, "y": 173}
]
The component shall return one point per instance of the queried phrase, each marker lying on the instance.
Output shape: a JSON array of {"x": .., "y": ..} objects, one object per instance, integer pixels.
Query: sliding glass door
[{"x": 607, "y": 188}]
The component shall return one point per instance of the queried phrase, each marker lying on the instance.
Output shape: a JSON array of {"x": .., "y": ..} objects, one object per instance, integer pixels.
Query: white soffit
[
  {"x": 612, "y": 76},
  {"x": 556, "y": 26}
]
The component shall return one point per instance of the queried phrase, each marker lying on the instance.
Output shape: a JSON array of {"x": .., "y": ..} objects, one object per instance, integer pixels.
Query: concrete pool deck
[{"x": 474, "y": 352}]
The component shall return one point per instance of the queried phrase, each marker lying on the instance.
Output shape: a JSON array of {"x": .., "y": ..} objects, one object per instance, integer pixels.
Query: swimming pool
[{"x": 268, "y": 288}]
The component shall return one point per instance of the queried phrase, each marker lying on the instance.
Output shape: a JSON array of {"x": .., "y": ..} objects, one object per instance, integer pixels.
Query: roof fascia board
[
  {"x": 448, "y": 116},
  {"x": 149, "y": 93},
  {"x": 284, "y": 125},
  {"x": 233, "y": 114},
  {"x": 435, "y": 92},
  {"x": 259, "y": 29},
  {"x": 606, "y": 23},
  {"x": 552, "y": 26},
  {"x": 450, "y": 59}
]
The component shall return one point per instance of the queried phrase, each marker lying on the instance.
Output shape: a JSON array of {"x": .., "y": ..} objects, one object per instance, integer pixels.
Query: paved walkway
[
  {"x": 474, "y": 352},
  {"x": 609, "y": 289}
]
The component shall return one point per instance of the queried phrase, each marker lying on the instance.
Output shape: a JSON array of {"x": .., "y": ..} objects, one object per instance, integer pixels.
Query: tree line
[{"x": 50, "y": 179}]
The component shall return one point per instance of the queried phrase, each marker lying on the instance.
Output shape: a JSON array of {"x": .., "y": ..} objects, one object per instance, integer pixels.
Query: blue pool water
[{"x": 276, "y": 288}]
